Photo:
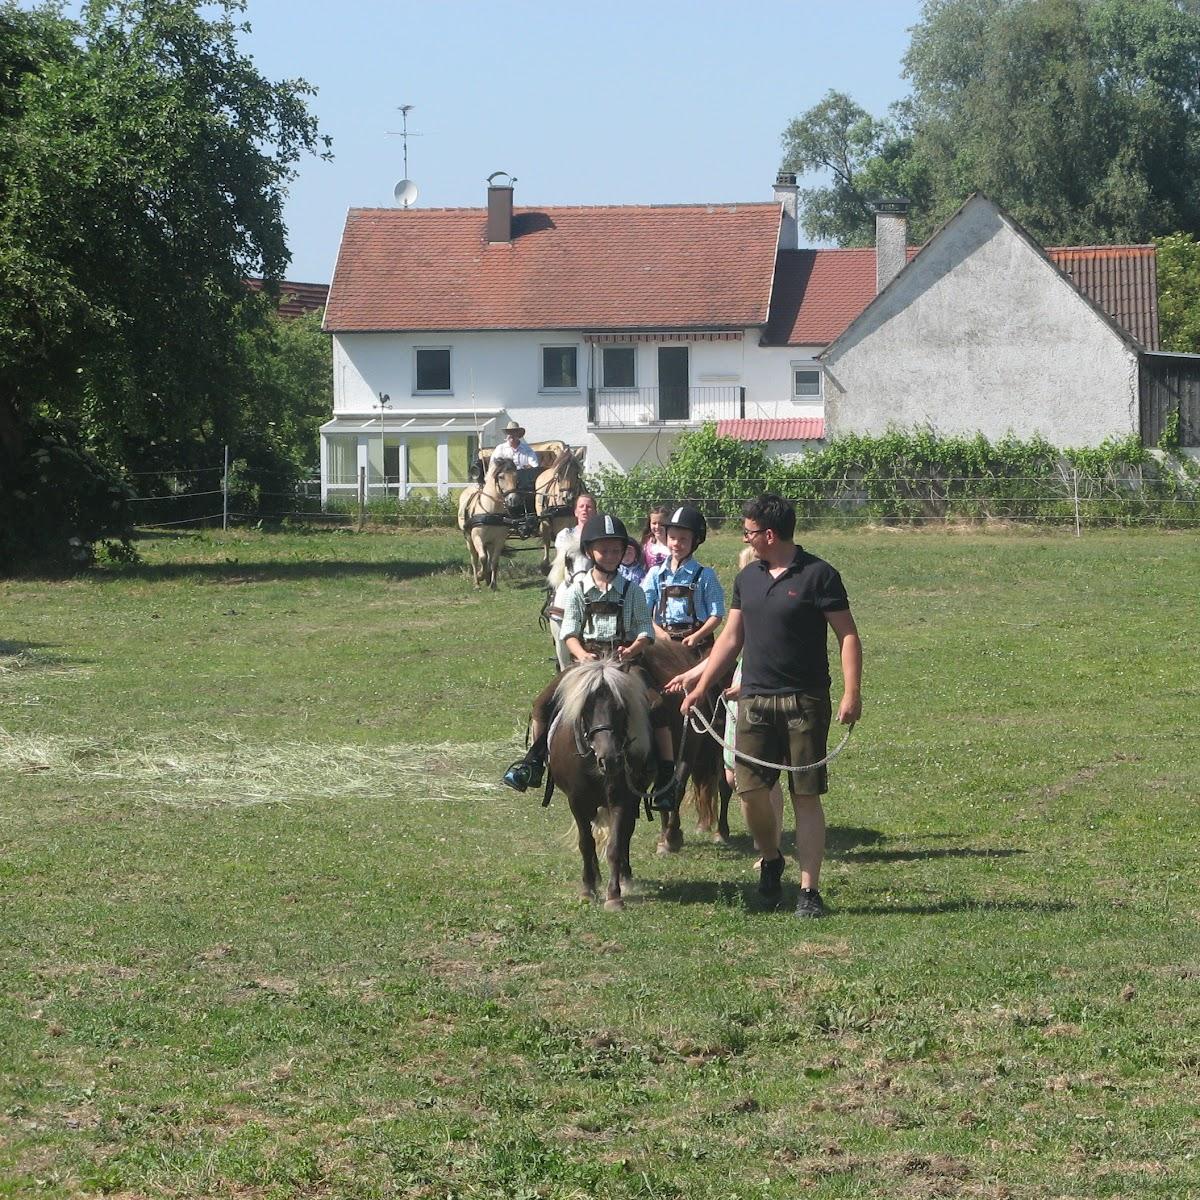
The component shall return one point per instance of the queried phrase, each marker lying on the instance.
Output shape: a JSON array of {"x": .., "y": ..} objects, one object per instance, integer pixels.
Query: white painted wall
[
  {"x": 981, "y": 334},
  {"x": 492, "y": 370}
]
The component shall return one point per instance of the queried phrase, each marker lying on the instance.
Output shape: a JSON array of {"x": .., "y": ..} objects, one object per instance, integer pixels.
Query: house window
[
  {"x": 433, "y": 368},
  {"x": 620, "y": 367},
  {"x": 343, "y": 460},
  {"x": 559, "y": 368},
  {"x": 806, "y": 381}
]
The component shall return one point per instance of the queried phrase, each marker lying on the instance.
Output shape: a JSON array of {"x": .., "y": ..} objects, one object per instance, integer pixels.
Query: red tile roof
[
  {"x": 1123, "y": 280},
  {"x": 789, "y": 429},
  {"x": 819, "y": 292},
  {"x": 296, "y": 299},
  {"x": 594, "y": 268}
]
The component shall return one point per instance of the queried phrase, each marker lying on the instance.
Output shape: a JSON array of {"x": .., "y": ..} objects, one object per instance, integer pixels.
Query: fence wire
[{"x": 1062, "y": 498}]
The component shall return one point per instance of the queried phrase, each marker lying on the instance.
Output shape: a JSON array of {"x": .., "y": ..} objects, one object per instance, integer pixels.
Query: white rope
[{"x": 703, "y": 726}]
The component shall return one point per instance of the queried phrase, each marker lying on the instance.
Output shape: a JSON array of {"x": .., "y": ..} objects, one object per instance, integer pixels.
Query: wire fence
[{"x": 1066, "y": 498}]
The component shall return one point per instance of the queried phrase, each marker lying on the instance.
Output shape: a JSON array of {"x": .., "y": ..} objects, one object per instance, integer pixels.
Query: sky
[{"x": 657, "y": 102}]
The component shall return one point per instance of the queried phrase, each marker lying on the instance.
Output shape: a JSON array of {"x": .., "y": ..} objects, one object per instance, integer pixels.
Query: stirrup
[{"x": 664, "y": 796}]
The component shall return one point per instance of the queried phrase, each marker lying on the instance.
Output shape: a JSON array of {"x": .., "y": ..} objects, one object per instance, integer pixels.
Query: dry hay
[{"x": 221, "y": 769}]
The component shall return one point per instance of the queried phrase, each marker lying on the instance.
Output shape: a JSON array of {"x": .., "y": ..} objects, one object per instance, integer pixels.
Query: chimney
[
  {"x": 891, "y": 240},
  {"x": 500, "y": 208},
  {"x": 785, "y": 194}
]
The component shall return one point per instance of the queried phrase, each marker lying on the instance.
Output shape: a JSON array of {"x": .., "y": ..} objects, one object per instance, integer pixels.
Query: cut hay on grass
[{"x": 221, "y": 769}]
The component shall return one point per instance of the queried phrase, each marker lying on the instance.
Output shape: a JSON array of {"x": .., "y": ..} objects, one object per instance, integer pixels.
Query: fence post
[
  {"x": 1075, "y": 493},
  {"x": 362, "y": 497},
  {"x": 225, "y": 492}
]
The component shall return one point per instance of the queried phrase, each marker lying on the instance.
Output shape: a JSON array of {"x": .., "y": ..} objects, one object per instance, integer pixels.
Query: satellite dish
[{"x": 405, "y": 193}]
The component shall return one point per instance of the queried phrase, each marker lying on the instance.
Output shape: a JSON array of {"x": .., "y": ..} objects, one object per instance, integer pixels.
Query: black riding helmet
[
  {"x": 600, "y": 527},
  {"x": 691, "y": 519}
]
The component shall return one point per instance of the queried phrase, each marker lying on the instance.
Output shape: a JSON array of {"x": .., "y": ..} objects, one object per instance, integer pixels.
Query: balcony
[{"x": 676, "y": 406}]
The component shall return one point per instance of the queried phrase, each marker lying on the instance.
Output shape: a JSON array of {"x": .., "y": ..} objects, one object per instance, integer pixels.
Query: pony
[
  {"x": 482, "y": 516},
  {"x": 602, "y": 757},
  {"x": 701, "y": 758}
]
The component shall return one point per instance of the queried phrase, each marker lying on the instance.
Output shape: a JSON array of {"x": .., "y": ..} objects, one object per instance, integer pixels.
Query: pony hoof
[
  {"x": 666, "y": 847},
  {"x": 616, "y": 904},
  {"x": 720, "y": 839}
]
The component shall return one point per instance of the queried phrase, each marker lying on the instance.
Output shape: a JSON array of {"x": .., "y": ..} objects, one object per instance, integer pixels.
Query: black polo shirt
[{"x": 783, "y": 621}]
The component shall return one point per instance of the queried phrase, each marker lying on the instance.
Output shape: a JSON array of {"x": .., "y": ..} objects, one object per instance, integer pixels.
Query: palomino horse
[
  {"x": 482, "y": 516},
  {"x": 601, "y": 755},
  {"x": 558, "y": 486}
]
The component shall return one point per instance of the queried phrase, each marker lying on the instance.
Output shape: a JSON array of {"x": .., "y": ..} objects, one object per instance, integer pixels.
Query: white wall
[
  {"x": 982, "y": 334},
  {"x": 491, "y": 370}
]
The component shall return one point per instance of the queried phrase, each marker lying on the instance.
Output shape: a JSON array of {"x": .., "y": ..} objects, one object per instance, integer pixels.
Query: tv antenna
[{"x": 405, "y": 192}]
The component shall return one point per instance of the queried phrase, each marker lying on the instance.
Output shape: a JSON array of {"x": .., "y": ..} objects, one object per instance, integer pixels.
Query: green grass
[{"x": 269, "y": 927}]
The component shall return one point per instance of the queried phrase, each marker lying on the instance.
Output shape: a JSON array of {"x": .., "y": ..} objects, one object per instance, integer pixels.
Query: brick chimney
[
  {"x": 891, "y": 240},
  {"x": 500, "y": 208},
  {"x": 785, "y": 194}
]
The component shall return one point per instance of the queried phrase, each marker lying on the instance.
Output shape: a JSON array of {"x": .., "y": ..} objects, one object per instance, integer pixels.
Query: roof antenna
[{"x": 405, "y": 192}]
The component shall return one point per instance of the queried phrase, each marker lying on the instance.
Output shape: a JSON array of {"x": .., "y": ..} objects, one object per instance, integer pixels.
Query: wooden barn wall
[{"x": 1168, "y": 383}]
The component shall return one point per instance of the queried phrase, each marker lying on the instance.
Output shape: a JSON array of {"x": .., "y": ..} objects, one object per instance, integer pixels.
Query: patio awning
[
  {"x": 428, "y": 421},
  {"x": 786, "y": 429}
]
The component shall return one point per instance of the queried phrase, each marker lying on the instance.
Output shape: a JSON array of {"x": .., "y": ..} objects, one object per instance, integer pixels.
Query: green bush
[
  {"x": 57, "y": 500},
  {"x": 916, "y": 477}
]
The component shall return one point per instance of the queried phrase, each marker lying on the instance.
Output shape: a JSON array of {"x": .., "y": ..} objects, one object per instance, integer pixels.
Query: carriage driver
[
  {"x": 685, "y": 598},
  {"x": 604, "y": 614}
]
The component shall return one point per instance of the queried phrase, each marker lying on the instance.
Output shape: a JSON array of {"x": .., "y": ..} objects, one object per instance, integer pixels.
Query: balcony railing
[{"x": 636, "y": 408}]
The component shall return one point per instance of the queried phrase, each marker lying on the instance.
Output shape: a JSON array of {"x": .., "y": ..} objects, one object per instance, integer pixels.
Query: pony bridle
[{"x": 583, "y": 743}]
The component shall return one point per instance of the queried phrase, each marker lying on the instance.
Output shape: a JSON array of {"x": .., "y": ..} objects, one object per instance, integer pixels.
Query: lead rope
[{"x": 698, "y": 722}]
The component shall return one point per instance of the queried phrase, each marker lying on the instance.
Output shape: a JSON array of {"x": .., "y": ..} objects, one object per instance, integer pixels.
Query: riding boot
[
  {"x": 666, "y": 788},
  {"x": 527, "y": 772}
]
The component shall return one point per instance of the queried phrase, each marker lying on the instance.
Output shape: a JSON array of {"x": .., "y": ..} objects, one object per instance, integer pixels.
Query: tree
[
  {"x": 1179, "y": 292},
  {"x": 1081, "y": 117},
  {"x": 868, "y": 158},
  {"x": 146, "y": 163}
]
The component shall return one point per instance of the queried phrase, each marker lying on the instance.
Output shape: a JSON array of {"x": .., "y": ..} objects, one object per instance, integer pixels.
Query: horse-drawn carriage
[{"x": 509, "y": 502}]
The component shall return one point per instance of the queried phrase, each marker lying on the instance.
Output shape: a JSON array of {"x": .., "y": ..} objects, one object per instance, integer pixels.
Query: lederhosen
[
  {"x": 543, "y": 706},
  {"x": 605, "y": 608},
  {"x": 678, "y": 630}
]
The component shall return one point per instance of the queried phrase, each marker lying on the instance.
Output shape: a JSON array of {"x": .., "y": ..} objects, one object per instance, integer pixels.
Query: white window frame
[
  {"x": 558, "y": 391},
  {"x": 605, "y": 386},
  {"x": 807, "y": 364},
  {"x": 416, "y": 391}
]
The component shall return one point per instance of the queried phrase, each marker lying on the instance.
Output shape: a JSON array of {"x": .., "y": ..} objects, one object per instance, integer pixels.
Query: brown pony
[
  {"x": 481, "y": 517},
  {"x": 701, "y": 755},
  {"x": 601, "y": 755}
]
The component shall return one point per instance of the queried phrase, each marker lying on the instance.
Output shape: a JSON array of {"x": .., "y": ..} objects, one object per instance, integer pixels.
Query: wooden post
[
  {"x": 225, "y": 493},
  {"x": 362, "y": 497},
  {"x": 1075, "y": 491}
]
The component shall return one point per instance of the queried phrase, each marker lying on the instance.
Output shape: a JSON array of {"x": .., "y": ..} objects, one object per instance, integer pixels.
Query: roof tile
[
  {"x": 594, "y": 268},
  {"x": 788, "y": 429}
]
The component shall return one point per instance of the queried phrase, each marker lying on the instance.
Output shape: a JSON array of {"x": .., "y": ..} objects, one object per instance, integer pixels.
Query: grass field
[{"x": 270, "y": 928}]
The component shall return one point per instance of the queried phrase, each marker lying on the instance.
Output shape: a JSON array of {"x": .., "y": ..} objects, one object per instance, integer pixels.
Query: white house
[{"x": 618, "y": 327}]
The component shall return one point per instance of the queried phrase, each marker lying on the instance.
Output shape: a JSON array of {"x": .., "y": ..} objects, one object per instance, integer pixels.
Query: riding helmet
[
  {"x": 692, "y": 519},
  {"x": 599, "y": 527}
]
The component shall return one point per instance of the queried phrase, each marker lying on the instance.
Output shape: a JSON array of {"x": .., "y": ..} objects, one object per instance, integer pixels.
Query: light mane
[{"x": 583, "y": 680}]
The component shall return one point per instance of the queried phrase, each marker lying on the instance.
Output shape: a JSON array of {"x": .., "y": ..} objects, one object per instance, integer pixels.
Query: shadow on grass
[
  {"x": 964, "y": 904},
  {"x": 730, "y": 894},
  {"x": 838, "y": 840},
  {"x": 892, "y": 856},
  {"x": 34, "y": 656},
  {"x": 275, "y": 572}
]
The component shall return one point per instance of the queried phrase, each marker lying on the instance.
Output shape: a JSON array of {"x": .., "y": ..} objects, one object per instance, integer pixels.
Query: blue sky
[
  {"x": 610, "y": 103},
  {"x": 614, "y": 103}
]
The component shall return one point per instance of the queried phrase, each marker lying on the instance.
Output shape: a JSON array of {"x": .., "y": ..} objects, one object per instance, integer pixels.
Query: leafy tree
[
  {"x": 869, "y": 159},
  {"x": 1179, "y": 292},
  {"x": 146, "y": 163},
  {"x": 1081, "y": 117}
]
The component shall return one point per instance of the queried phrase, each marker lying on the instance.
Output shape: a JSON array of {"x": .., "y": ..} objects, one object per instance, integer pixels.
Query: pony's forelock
[{"x": 583, "y": 680}]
